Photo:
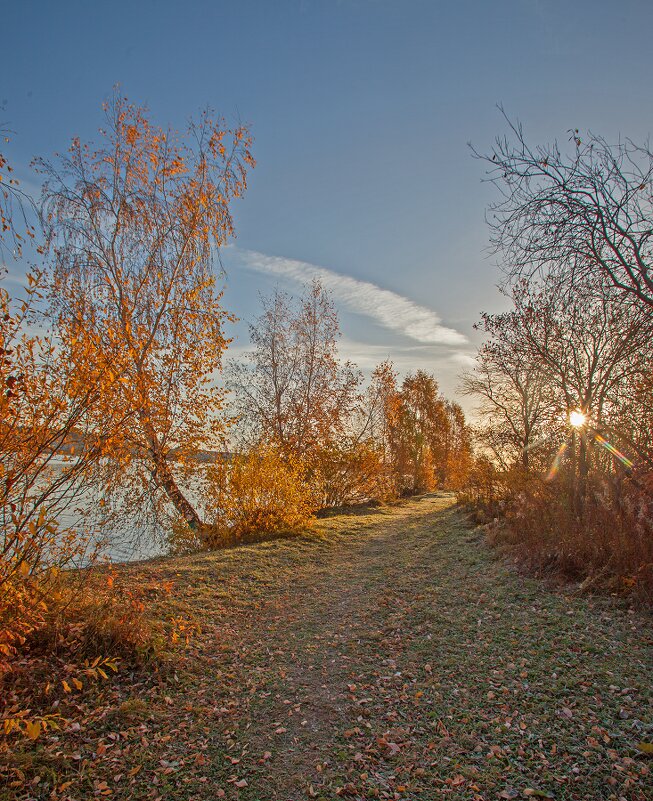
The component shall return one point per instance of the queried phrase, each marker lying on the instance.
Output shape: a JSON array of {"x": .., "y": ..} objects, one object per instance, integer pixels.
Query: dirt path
[{"x": 388, "y": 655}]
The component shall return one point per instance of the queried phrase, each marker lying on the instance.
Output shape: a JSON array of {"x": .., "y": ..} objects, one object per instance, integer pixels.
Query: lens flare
[
  {"x": 555, "y": 467},
  {"x": 610, "y": 448},
  {"x": 600, "y": 440}
]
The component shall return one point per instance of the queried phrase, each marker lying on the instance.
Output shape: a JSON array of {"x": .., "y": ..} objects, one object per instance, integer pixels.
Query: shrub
[
  {"x": 32, "y": 588},
  {"x": 81, "y": 633},
  {"x": 45, "y": 455},
  {"x": 608, "y": 545},
  {"x": 252, "y": 496},
  {"x": 267, "y": 492},
  {"x": 485, "y": 490},
  {"x": 352, "y": 473}
]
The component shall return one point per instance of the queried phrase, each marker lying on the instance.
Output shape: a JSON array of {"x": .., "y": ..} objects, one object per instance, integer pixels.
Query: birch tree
[{"x": 134, "y": 224}]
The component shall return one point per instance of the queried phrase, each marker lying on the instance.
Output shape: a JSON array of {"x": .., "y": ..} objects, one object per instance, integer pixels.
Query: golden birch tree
[{"x": 133, "y": 225}]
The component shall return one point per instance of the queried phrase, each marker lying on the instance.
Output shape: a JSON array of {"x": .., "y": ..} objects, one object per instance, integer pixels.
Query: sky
[{"x": 362, "y": 113}]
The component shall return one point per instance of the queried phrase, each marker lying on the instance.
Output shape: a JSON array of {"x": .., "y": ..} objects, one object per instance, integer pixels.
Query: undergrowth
[{"x": 602, "y": 538}]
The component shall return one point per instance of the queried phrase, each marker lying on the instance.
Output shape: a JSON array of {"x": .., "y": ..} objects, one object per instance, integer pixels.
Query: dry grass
[{"x": 607, "y": 546}]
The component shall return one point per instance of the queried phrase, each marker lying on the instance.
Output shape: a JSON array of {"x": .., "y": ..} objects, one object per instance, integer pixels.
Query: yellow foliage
[
  {"x": 251, "y": 496},
  {"x": 262, "y": 491},
  {"x": 42, "y": 414},
  {"x": 352, "y": 472},
  {"x": 138, "y": 309}
]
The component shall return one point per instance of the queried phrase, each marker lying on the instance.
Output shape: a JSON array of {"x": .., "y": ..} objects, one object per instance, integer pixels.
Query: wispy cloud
[
  {"x": 387, "y": 308},
  {"x": 444, "y": 364},
  {"x": 463, "y": 358},
  {"x": 406, "y": 358}
]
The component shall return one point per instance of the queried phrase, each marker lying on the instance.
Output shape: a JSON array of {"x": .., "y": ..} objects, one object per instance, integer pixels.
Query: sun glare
[{"x": 577, "y": 419}]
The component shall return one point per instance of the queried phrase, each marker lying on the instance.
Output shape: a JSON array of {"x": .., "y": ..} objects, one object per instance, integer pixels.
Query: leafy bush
[
  {"x": 250, "y": 497},
  {"x": 64, "y": 633},
  {"x": 264, "y": 492},
  {"x": 42, "y": 415},
  {"x": 352, "y": 473}
]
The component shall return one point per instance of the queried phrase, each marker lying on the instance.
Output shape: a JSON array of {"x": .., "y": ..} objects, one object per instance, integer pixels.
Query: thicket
[{"x": 564, "y": 377}]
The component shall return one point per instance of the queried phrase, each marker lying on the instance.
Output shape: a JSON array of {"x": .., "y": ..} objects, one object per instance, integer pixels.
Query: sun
[{"x": 577, "y": 418}]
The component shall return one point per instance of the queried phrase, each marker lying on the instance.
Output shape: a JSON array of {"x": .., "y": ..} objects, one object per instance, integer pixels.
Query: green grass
[{"x": 381, "y": 655}]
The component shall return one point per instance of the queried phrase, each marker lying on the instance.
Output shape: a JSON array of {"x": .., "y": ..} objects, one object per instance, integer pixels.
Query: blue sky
[{"x": 361, "y": 112}]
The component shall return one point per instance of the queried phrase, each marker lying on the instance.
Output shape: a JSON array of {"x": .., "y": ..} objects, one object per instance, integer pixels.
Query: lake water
[{"x": 122, "y": 536}]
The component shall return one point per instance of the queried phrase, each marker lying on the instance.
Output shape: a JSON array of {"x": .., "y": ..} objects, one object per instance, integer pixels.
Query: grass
[{"x": 387, "y": 654}]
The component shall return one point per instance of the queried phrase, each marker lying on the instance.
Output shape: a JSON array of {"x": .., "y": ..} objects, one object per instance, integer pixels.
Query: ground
[{"x": 387, "y": 654}]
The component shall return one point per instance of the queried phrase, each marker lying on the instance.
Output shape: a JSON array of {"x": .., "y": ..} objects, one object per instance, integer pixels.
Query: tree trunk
[
  {"x": 583, "y": 470},
  {"x": 163, "y": 474},
  {"x": 572, "y": 472}
]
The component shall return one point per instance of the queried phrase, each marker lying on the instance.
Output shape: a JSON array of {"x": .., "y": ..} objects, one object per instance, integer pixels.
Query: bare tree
[
  {"x": 294, "y": 389},
  {"x": 584, "y": 210},
  {"x": 556, "y": 352},
  {"x": 594, "y": 346},
  {"x": 512, "y": 390}
]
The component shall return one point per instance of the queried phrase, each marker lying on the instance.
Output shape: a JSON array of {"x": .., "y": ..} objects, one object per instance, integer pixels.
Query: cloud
[
  {"x": 406, "y": 358},
  {"x": 387, "y": 308},
  {"x": 445, "y": 366},
  {"x": 464, "y": 358}
]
